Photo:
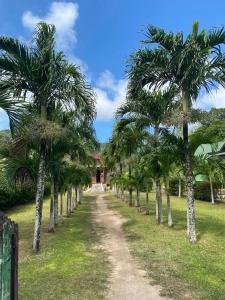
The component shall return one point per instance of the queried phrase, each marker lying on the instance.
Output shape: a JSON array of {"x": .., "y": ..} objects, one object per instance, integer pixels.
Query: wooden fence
[{"x": 8, "y": 259}]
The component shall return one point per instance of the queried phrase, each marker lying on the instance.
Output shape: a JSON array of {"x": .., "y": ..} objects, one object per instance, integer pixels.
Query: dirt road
[{"x": 128, "y": 281}]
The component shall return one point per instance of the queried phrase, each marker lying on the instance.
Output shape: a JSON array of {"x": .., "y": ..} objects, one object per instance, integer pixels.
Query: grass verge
[
  {"x": 184, "y": 271},
  {"x": 70, "y": 265}
]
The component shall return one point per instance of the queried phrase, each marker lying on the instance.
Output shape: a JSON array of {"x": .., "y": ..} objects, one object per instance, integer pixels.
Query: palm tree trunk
[
  {"x": 169, "y": 212},
  {"x": 130, "y": 189},
  {"x": 76, "y": 198},
  {"x": 211, "y": 190},
  {"x": 71, "y": 200},
  {"x": 180, "y": 188},
  {"x": 191, "y": 232},
  {"x": 117, "y": 191},
  {"x": 68, "y": 203},
  {"x": 61, "y": 208},
  {"x": 51, "y": 226},
  {"x": 137, "y": 198},
  {"x": 122, "y": 192},
  {"x": 147, "y": 201},
  {"x": 159, "y": 215},
  {"x": 56, "y": 196},
  {"x": 40, "y": 189},
  {"x": 39, "y": 198},
  {"x": 79, "y": 195}
]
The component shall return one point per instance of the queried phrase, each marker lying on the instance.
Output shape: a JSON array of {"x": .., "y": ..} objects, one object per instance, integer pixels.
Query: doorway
[{"x": 98, "y": 176}]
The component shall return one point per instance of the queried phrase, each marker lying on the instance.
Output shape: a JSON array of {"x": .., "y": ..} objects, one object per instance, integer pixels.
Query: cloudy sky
[{"x": 100, "y": 34}]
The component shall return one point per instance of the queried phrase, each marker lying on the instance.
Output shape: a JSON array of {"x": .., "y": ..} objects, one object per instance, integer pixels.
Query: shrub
[{"x": 202, "y": 191}]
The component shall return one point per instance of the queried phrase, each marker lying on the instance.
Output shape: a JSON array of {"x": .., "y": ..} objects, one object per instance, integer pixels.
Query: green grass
[
  {"x": 70, "y": 264},
  {"x": 184, "y": 271}
]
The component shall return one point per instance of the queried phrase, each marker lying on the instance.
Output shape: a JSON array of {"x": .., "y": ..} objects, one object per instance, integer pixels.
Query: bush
[
  {"x": 202, "y": 191},
  {"x": 22, "y": 196}
]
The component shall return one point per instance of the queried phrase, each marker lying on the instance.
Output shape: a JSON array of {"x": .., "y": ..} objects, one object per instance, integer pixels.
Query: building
[{"x": 99, "y": 175}]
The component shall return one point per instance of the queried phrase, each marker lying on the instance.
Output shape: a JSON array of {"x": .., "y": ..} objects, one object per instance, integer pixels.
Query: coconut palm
[
  {"x": 45, "y": 75},
  {"x": 190, "y": 63}
]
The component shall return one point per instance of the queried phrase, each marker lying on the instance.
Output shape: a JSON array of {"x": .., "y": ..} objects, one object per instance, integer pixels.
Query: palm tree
[
  {"x": 190, "y": 64},
  {"x": 13, "y": 108},
  {"x": 149, "y": 110},
  {"x": 170, "y": 156},
  {"x": 50, "y": 80},
  {"x": 126, "y": 139}
]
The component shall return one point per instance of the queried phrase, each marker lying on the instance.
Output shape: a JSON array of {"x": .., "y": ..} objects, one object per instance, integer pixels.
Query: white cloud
[
  {"x": 110, "y": 94},
  {"x": 63, "y": 15},
  {"x": 214, "y": 99}
]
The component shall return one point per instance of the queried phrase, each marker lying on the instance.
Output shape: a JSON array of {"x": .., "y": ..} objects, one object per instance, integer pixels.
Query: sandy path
[{"x": 127, "y": 280}]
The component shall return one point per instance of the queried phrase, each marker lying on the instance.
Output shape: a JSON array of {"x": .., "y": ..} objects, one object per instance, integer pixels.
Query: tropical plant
[
  {"x": 189, "y": 64},
  {"x": 49, "y": 80},
  {"x": 126, "y": 140},
  {"x": 149, "y": 110}
]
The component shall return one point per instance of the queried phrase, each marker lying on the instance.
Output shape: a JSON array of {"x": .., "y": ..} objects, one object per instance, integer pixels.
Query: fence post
[{"x": 8, "y": 259}]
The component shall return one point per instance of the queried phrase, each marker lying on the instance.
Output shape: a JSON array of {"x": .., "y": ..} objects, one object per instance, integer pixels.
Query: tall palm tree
[
  {"x": 126, "y": 139},
  {"x": 46, "y": 75},
  {"x": 149, "y": 110},
  {"x": 190, "y": 63}
]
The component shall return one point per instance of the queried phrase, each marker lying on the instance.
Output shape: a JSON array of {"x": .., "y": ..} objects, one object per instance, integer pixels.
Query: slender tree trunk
[
  {"x": 159, "y": 215},
  {"x": 79, "y": 195},
  {"x": 212, "y": 190},
  {"x": 169, "y": 211},
  {"x": 191, "y": 232},
  {"x": 56, "y": 196},
  {"x": 40, "y": 189},
  {"x": 39, "y": 199},
  {"x": 117, "y": 191},
  {"x": 137, "y": 198},
  {"x": 51, "y": 226},
  {"x": 68, "y": 203},
  {"x": 147, "y": 201},
  {"x": 180, "y": 188},
  {"x": 71, "y": 199},
  {"x": 122, "y": 192},
  {"x": 76, "y": 202},
  {"x": 61, "y": 208},
  {"x": 130, "y": 189}
]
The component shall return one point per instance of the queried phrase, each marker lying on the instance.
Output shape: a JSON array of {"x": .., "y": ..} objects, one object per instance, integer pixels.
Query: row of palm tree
[
  {"x": 51, "y": 109},
  {"x": 165, "y": 78}
]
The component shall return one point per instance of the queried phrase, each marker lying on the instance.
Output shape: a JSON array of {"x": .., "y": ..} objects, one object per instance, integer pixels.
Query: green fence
[{"x": 8, "y": 259}]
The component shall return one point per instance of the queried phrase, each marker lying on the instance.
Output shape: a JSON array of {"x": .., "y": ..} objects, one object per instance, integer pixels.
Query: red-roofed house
[{"x": 100, "y": 175}]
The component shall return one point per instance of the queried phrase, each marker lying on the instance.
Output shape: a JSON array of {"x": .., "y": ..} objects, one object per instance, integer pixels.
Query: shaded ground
[
  {"x": 70, "y": 264},
  {"x": 127, "y": 280}
]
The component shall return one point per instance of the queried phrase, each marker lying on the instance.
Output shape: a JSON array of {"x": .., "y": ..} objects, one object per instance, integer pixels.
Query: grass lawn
[
  {"x": 184, "y": 271},
  {"x": 70, "y": 265}
]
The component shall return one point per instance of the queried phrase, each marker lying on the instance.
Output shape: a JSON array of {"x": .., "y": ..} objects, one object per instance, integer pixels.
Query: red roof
[{"x": 97, "y": 157}]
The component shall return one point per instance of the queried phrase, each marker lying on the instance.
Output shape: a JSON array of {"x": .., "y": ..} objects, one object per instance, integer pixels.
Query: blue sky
[{"x": 100, "y": 35}]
